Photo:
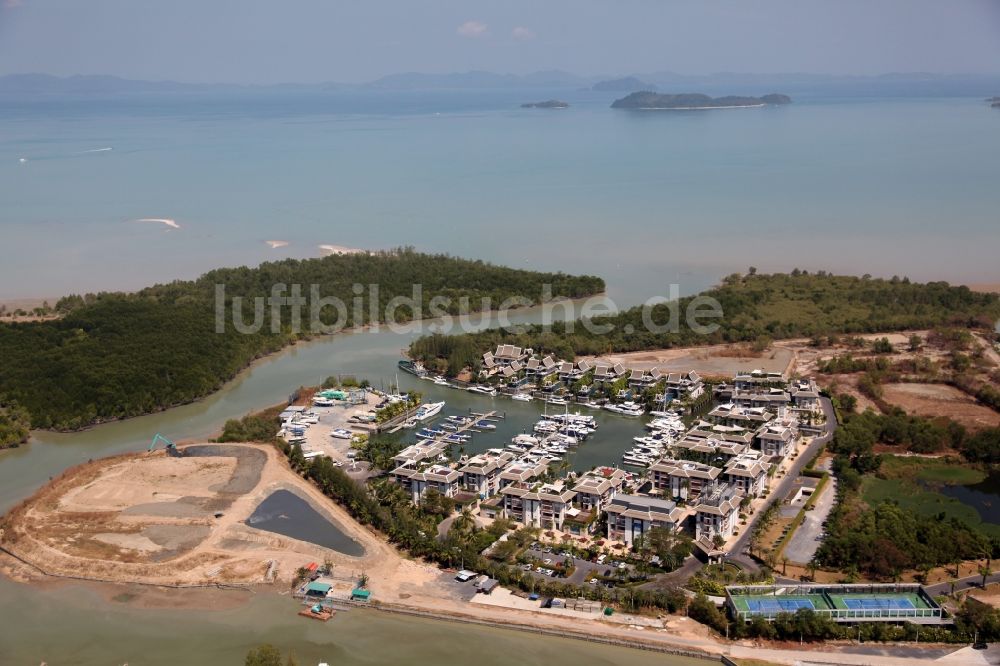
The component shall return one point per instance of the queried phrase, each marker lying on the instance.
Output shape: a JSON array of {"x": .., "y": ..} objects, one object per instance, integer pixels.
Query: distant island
[
  {"x": 548, "y": 104},
  {"x": 652, "y": 100},
  {"x": 628, "y": 83},
  {"x": 994, "y": 102}
]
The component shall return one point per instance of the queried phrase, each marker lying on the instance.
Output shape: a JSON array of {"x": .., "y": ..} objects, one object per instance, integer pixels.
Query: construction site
[{"x": 200, "y": 514}]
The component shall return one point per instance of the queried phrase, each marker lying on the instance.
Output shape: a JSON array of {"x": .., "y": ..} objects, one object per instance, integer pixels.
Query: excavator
[{"x": 169, "y": 446}]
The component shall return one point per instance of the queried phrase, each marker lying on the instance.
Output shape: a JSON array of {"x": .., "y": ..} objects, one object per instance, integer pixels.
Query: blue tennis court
[
  {"x": 879, "y": 603},
  {"x": 778, "y": 605}
]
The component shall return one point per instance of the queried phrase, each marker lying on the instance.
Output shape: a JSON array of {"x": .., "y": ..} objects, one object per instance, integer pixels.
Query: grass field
[{"x": 933, "y": 470}]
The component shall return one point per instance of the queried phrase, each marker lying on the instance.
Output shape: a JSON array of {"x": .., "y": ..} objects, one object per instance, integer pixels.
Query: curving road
[{"x": 737, "y": 551}]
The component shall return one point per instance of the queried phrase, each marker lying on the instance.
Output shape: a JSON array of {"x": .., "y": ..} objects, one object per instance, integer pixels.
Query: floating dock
[{"x": 318, "y": 612}]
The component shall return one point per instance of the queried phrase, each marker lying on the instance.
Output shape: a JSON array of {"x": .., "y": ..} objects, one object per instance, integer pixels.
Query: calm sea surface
[
  {"x": 884, "y": 186},
  {"x": 645, "y": 199}
]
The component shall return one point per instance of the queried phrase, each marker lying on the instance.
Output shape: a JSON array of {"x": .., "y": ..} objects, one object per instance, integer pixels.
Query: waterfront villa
[
  {"x": 521, "y": 471},
  {"x": 631, "y": 516},
  {"x": 683, "y": 479},
  {"x": 716, "y": 512},
  {"x": 481, "y": 473},
  {"x": 541, "y": 505},
  {"x": 419, "y": 452},
  {"x": 598, "y": 487},
  {"x": 417, "y": 482}
]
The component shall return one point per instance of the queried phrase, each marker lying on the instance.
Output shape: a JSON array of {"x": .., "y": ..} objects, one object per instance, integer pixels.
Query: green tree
[{"x": 265, "y": 655}]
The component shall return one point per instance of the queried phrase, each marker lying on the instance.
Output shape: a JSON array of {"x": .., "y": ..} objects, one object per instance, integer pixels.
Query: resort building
[
  {"x": 420, "y": 452},
  {"x": 544, "y": 506},
  {"x": 776, "y": 440},
  {"x": 598, "y": 487},
  {"x": 481, "y": 473},
  {"x": 729, "y": 414},
  {"x": 417, "y": 482},
  {"x": 521, "y": 471},
  {"x": 683, "y": 479},
  {"x": 747, "y": 472},
  {"x": 805, "y": 395},
  {"x": 755, "y": 380},
  {"x": 708, "y": 448},
  {"x": 716, "y": 513},
  {"x": 631, "y": 516}
]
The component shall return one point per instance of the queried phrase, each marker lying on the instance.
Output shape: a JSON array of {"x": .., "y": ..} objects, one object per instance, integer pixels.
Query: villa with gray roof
[
  {"x": 683, "y": 479},
  {"x": 631, "y": 516},
  {"x": 481, "y": 473},
  {"x": 747, "y": 473},
  {"x": 716, "y": 513}
]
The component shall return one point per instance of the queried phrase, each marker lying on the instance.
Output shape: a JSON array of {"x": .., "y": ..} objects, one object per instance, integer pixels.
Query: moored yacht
[
  {"x": 428, "y": 410},
  {"x": 627, "y": 408}
]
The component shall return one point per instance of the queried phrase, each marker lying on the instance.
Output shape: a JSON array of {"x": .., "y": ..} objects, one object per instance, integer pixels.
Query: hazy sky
[{"x": 264, "y": 41}]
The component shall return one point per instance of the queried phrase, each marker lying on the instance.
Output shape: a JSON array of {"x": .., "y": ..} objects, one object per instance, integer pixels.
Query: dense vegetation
[
  {"x": 754, "y": 307},
  {"x": 14, "y": 423},
  {"x": 884, "y": 538},
  {"x": 116, "y": 355}
]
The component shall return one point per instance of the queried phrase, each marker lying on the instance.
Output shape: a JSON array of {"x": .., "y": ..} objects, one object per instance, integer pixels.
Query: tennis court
[
  {"x": 778, "y": 605},
  {"x": 878, "y": 603}
]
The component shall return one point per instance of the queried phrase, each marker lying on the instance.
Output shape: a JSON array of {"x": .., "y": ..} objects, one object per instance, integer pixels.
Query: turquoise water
[{"x": 644, "y": 199}]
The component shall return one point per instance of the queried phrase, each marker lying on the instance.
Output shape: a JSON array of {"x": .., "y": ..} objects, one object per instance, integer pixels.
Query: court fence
[{"x": 841, "y": 603}]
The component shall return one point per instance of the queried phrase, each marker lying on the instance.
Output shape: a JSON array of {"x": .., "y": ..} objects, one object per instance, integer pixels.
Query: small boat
[
  {"x": 441, "y": 381},
  {"x": 557, "y": 401},
  {"x": 412, "y": 367},
  {"x": 320, "y": 401},
  {"x": 484, "y": 390},
  {"x": 522, "y": 397},
  {"x": 410, "y": 423},
  {"x": 457, "y": 439},
  {"x": 485, "y": 425},
  {"x": 341, "y": 433}
]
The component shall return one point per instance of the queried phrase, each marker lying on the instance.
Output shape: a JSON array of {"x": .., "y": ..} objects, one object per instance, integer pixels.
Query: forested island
[
  {"x": 756, "y": 308},
  {"x": 548, "y": 104},
  {"x": 651, "y": 100},
  {"x": 117, "y": 355}
]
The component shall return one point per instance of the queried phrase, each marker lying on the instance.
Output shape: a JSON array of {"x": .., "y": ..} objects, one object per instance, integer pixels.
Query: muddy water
[{"x": 285, "y": 513}]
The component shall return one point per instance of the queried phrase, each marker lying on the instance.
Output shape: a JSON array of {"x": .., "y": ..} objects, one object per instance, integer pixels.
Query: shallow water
[
  {"x": 285, "y": 513},
  {"x": 73, "y": 625}
]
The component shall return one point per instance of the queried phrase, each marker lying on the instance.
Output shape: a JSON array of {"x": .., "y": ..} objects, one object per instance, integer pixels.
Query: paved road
[
  {"x": 778, "y": 493},
  {"x": 963, "y": 584}
]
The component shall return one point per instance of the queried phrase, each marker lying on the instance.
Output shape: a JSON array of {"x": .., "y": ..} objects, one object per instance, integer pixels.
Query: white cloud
[
  {"x": 472, "y": 29},
  {"x": 522, "y": 34}
]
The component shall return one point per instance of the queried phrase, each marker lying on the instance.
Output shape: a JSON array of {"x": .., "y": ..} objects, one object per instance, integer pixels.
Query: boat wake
[{"x": 162, "y": 220}]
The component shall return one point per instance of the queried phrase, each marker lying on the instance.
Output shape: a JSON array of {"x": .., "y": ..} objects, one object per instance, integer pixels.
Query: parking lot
[
  {"x": 319, "y": 422},
  {"x": 584, "y": 569}
]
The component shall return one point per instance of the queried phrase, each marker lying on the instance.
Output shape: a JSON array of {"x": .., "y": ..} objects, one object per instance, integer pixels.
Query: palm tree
[
  {"x": 985, "y": 573},
  {"x": 465, "y": 522}
]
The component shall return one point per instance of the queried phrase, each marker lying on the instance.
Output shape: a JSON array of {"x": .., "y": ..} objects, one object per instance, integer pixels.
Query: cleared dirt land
[
  {"x": 941, "y": 400},
  {"x": 173, "y": 520}
]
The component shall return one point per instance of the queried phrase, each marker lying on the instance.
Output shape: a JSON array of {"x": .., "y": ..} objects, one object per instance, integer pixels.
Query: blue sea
[{"x": 878, "y": 185}]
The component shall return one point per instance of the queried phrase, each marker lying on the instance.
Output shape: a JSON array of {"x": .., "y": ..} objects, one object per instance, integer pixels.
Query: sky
[{"x": 272, "y": 41}]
